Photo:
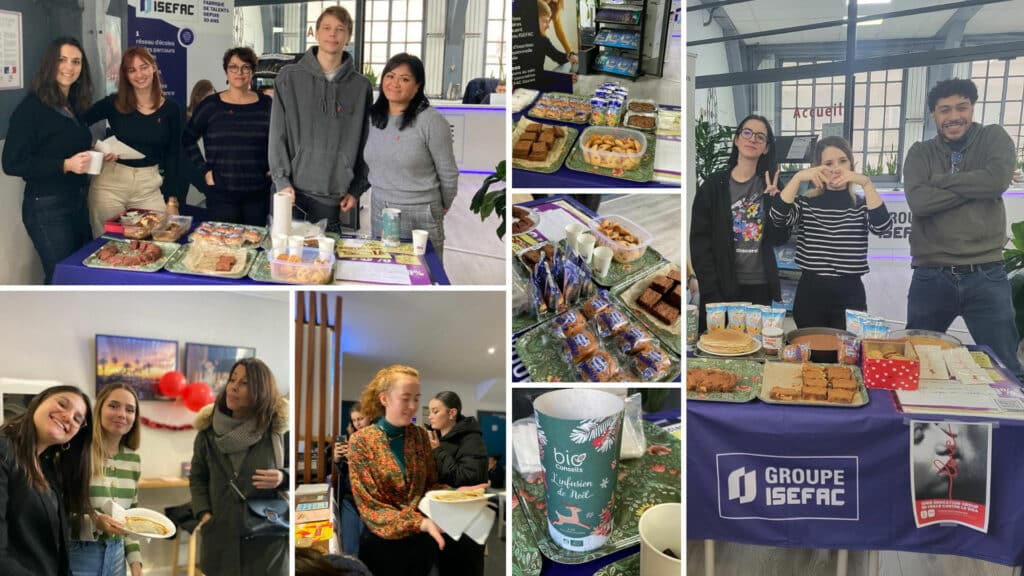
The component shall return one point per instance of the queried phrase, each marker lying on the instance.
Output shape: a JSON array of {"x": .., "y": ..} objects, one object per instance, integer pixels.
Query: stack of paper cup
[
  {"x": 279, "y": 244},
  {"x": 282, "y": 213},
  {"x": 295, "y": 245},
  {"x": 326, "y": 247}
]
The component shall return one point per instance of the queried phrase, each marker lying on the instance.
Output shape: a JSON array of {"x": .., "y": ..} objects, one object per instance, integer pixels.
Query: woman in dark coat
[
  {"x": 461, "y": 458},
  {"x": 732, "y": 240},
  {"x": 44, "y": 477},
  {"x": 240, "y": 435},
  {"x": 48, "y": 147}
]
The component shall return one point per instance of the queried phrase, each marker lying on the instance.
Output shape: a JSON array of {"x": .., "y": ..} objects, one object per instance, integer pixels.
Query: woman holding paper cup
[
  {"x": 409, "y": 154},
  {"x": 391, "y": 468},
  {"x": 143, "y": 119},
  {"x": 461, "y": 457},
  {"x": 239, "y": 446},
  {"x": 235, "y": 128},
  {"x": 44, "y": 478},
  {"x": 832, "y": 224},
  {"x": 101, "y": 547},
  {"x": 48, "y": 147}
]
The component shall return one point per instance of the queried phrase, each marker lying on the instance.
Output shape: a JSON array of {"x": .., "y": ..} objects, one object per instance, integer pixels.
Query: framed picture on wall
[
  {"x": 211, "y": 363},
  {"x": 138, "y": 362}
]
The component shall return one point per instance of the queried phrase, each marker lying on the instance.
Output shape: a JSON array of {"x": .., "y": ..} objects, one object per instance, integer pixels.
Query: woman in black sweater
[
  {"x": 732, "y": 239},
  {"x": 47, "y": 147},
  {"x": 44, "y": 478},
  {"x": 235, "y": 128},
  {"x": 141, "y": 117},
  {"x": 461, "y": 458}
]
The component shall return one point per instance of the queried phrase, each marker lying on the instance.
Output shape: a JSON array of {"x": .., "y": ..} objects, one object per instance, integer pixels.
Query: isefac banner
[
  {"x": 769, "y": 487},
  {"x": 187, "y": 38}
]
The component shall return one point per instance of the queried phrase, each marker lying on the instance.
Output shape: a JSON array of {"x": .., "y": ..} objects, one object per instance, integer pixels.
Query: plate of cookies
[
  {"x": 614, "y": 152},
  {"x": 714, "y": 380},
  {"x": 810, "y": 384},
  {"x": 539, "y": 147}
]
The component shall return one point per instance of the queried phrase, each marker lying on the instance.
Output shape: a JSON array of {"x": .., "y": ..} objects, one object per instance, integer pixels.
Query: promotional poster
[{"x": 950, "y": 473}]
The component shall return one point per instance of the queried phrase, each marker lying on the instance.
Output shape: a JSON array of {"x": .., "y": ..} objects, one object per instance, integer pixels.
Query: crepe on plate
[
  {"x": 458, "y": 495},
  {"x": 720, "y": 341},
  {"x": 141, "y": 525}
]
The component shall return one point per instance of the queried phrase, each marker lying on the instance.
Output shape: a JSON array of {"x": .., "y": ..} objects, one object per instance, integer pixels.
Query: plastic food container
[
  {"x": 621, "y": 251},
  {"x": 173, "y": 228},
  {"x": 138, "y": 228},
  {"x": 608, "y": 147},
  {"x": 310, "y": 270}
]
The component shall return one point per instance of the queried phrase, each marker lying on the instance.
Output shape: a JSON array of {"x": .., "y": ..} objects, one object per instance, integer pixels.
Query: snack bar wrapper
[
  {"x": 538, "y": 281},
  {"x": 553, "y": 295},
  {"x": 572, "y": 284}
]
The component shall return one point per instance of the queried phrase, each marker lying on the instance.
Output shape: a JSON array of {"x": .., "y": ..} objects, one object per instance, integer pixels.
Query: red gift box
[{"x": 890, "y": 373}]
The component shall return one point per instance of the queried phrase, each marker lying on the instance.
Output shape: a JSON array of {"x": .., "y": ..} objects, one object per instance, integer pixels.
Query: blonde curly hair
[{"x": 372, "y": 409}]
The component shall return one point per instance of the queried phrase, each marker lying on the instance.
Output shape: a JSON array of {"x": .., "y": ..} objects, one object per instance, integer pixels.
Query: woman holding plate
[
  {"x": 239, "y": 449},
  {"x": 102, "y": 546},
  {"x": 44, "y": 478}
]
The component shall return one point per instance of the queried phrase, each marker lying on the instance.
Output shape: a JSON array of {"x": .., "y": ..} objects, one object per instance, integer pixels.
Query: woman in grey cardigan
[
  {"x": 409, "y": 153},
  {"x": 240, "y": 434}
]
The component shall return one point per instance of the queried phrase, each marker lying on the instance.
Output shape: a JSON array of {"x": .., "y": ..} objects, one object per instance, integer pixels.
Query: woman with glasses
[
  {"x": 235, "y": 127},
  {"x": 832, "y": 224},
  {"x": 44, "y": 478},
  {"x": 141, "y": 117},
  {"x": 731, "y": 237}
]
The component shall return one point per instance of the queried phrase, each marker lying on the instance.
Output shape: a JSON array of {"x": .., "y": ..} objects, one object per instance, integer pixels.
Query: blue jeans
[
  {"x": 982, "y": 297},
  {"x": 351, "y": 527},
  {"x": 104, "y": 558},
  {"x": 58, "y": 226}
]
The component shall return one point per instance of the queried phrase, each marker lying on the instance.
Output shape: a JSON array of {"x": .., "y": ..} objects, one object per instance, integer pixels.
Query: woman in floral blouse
[{"x": 391, "y": 467}]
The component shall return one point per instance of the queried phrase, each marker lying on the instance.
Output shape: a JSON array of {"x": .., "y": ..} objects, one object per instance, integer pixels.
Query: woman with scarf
[{"x": 240, "y": 445}]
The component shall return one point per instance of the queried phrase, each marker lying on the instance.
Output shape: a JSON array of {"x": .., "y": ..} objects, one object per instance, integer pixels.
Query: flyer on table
[{"x": 950, "y": 473}]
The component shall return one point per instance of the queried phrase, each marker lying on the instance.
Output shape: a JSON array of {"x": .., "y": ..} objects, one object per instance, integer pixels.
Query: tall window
[
  {"x": 807, "y": 105},
  {"x": 313, "y": 11},
  {"x": 495, "y": 57},
  {"x": 1000, "y": 97},
  {"x": 392, "y": 26},
  {"x": 877, "y": 102}
]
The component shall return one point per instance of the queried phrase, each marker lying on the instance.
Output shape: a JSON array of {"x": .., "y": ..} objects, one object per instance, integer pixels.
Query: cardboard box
[
  {"x": 309, "y": 493},
  {"x": 890, "y": 373},
  {"x": 318, "y": 511},
  {"x": 315, "y": 535}
]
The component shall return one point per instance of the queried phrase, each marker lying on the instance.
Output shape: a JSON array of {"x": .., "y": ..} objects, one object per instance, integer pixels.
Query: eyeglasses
[
  {"x": 954, "y": 160},
  {"x": 243, "y": 69},
  {"x": 749, "y": 134}
]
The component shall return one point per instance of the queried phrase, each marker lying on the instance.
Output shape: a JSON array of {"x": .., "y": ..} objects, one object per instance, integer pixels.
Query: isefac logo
[
  {"x": 743, "y": 485},
  {"x": 770, "y": 487},
  {"x": 166, "y": 7}
]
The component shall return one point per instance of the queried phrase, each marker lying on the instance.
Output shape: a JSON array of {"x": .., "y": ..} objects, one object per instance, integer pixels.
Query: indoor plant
[{"x": 485, "y": 202}]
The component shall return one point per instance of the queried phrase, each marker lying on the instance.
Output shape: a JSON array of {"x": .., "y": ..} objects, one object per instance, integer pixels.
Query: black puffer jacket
[{"x": 462, "y": 456}]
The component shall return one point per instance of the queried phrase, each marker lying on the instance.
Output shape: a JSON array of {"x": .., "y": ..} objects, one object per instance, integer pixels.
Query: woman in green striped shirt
[{"x": 102, "y": 546}]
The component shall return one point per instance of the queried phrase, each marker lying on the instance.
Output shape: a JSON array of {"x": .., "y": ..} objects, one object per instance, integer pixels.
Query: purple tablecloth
[
  {"x": 725, "y": 441},
  {"x": 549, "y": 568},
  {"x": 566, "y": 178},
  {"x": 72, "y": 271}
]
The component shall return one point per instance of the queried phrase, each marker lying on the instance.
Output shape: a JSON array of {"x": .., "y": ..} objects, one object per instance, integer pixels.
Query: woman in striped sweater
[
  {"x": 832, "y": 224},
  {"x": 101, "y": 546}
]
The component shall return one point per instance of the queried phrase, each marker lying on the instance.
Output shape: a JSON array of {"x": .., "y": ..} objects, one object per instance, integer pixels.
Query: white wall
[
  {"x": 19, "y": 263},
  {"x": 711, "y": 59}
]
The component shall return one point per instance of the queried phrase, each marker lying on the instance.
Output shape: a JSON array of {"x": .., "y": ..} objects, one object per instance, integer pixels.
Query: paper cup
[
  {"x": 419, "y": 242},
  {"x": 578, "y": 435},
  {"x": 585, "y": 245},
  {"x": 661, "y": 529},
  {"x": 95, "y": 162},
  {"x": 601, "y": 261},
  {"x": 572, "y": 231},
  {"x": 325, "y": 247},
  {"x": 295, "y": 245}
]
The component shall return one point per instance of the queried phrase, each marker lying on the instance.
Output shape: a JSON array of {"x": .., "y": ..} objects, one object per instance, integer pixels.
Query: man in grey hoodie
[
  {"x": 319, "y": 123},
  {"x": 954, "y": 186}
]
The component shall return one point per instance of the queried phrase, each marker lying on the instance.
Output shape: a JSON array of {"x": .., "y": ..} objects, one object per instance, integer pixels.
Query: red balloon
[
  {"x": 197, "y": 395},
  {"x": 172, "y": 384}
]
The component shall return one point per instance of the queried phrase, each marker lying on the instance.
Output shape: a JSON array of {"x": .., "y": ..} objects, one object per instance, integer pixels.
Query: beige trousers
[{"x": 118, "y": 188}]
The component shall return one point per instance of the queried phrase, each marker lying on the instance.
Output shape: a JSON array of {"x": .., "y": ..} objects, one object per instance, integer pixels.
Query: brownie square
[
  {"x": 540, "y": 147},
  {"x": 533, "y": 128},
  {"x": 538, "y": 155},
  {"x": 675, "y": 275},
  {"x": 661, "y": 284},
  {"x": 674, "y": 297},
  {"x": 648, "y": 299},
  {"x": 547, "y": 137},
  {"x": 521, "y": 149},
  {"x": 665, "y": 313},
  {"x": 528, "y": 137}
]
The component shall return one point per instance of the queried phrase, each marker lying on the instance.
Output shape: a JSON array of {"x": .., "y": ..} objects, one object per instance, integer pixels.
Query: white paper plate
[
  {"x": 150, "y": 515},
  {"x": 757, "y": 346},
  {"x": 430, "y": 496}
]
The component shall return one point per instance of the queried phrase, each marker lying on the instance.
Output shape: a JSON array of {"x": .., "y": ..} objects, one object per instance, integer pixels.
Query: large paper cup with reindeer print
[{"x": 578, "y": 432}]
